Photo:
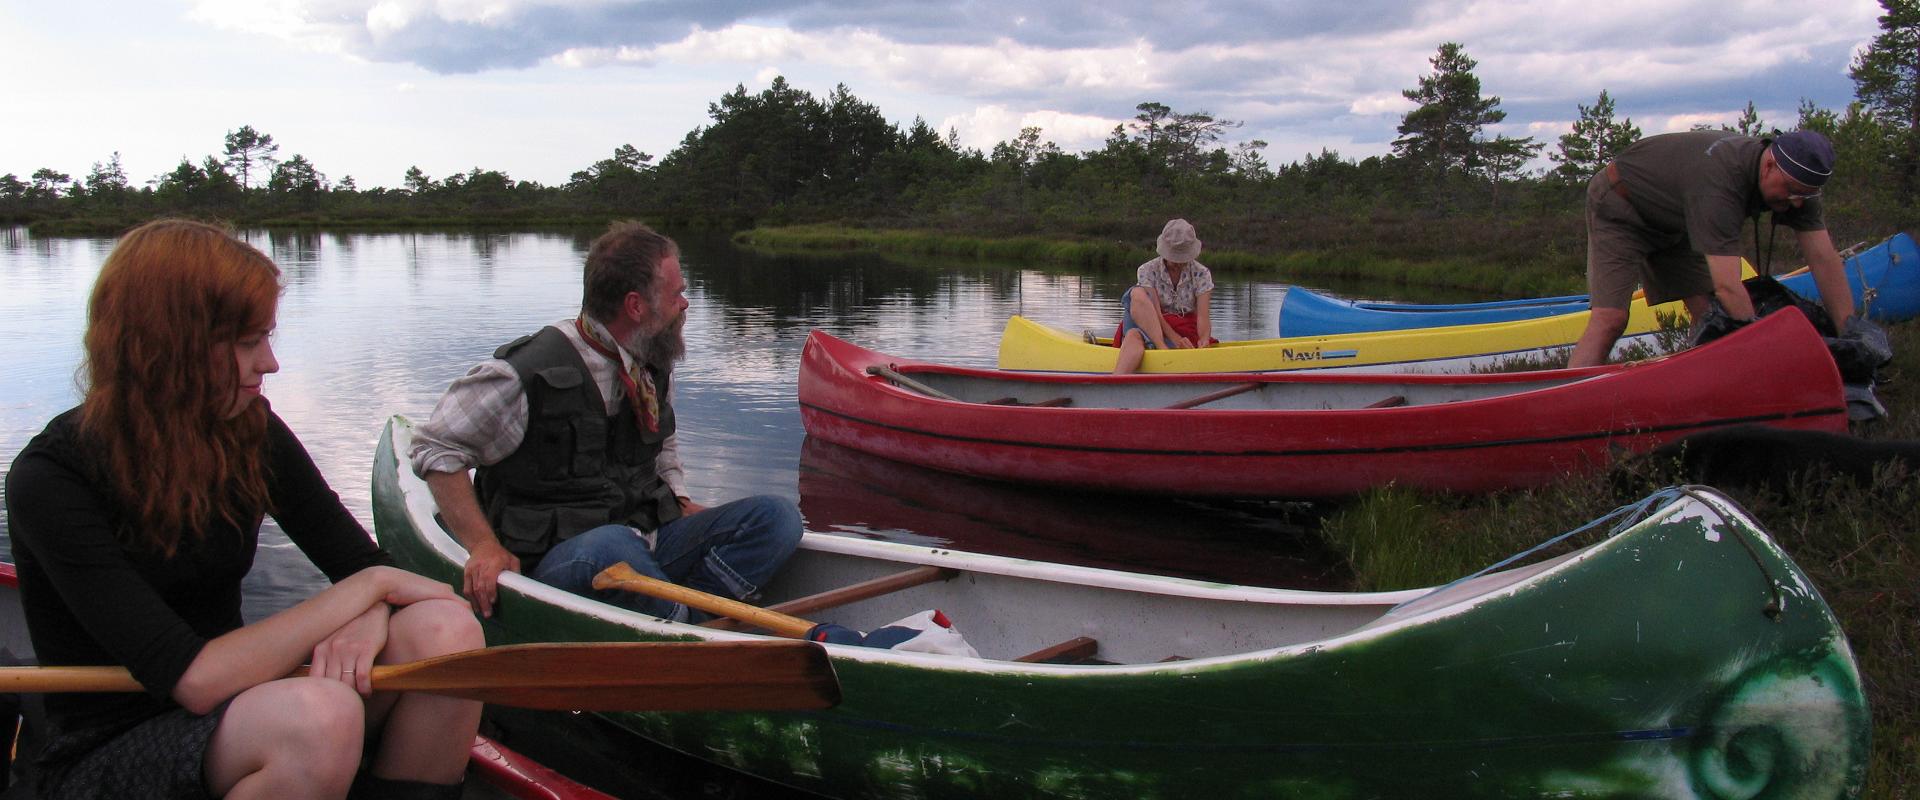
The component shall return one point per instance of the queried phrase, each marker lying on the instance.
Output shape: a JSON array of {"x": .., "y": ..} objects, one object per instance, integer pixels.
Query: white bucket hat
[{"x": 1178, "y": 242}]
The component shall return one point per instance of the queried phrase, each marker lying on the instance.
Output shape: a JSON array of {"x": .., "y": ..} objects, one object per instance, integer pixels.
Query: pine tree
[
  {"x": 1886, "y": 77},
  {"x": 1595, "y": 139},
  {"x": 248, "y": 150},
  {"x": 1443, "y": 134}
]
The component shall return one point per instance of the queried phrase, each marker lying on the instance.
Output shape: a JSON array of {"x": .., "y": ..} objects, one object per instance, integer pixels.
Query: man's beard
[{"x": 661, "y": 348}]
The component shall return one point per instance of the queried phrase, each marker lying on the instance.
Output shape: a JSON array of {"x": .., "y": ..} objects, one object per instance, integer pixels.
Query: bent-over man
[{"x": 1667, "y": 213}]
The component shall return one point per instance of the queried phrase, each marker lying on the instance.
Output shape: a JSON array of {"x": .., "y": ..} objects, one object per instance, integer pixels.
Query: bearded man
[{"x": 570, "y": 435}]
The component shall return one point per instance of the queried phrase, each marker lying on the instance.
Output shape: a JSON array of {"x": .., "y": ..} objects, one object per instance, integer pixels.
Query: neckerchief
[{"x": 633, "y": 374}]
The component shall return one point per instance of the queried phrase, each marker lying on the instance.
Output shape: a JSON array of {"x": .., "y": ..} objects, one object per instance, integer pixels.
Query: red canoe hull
[{"x": 1774, "y": 372}]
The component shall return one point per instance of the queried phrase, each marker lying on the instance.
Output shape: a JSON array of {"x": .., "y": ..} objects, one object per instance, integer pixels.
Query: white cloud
[
  {"x": 1382, "y": 103},
  {"x": 987, "y": 126}
]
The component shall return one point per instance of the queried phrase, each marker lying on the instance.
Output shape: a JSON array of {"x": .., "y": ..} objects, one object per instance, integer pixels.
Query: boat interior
[
  {"x": 1019, "y": 611},
  {"x": 1228, "y": 393}
]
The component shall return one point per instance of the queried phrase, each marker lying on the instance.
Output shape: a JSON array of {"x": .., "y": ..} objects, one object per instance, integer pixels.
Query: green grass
[
  {"x": 1859, "y": 544},
  {"x": 1459, "y": 273}
]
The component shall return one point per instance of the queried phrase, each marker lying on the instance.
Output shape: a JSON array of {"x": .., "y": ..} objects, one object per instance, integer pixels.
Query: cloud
[
  {"x": 987, "y": 126},
  {"x": 1332, "y": 70}
]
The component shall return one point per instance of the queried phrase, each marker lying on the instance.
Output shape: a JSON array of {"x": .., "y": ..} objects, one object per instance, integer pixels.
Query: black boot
[{"x": 369, "y": 787}]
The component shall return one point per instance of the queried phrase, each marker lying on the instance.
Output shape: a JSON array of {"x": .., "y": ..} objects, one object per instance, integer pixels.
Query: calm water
[{"x": 373, "y": 325}]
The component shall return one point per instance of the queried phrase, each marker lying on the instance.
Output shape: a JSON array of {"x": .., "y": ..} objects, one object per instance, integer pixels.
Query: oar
[
  {"x": 1216, "y": 395},
  {"x": 621, "y": 576},
  {"x": 589, "y": 676},
  {"x": 894, "y": 375}
]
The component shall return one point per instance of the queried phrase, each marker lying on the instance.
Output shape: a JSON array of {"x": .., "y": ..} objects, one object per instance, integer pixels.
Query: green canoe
[{"x": 1681, "y": 655}]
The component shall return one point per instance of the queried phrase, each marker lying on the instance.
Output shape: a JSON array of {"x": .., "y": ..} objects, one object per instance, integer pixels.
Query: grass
[
  {"x": 1458, "y": 273},
  {"x": 1860, "y": 544}
]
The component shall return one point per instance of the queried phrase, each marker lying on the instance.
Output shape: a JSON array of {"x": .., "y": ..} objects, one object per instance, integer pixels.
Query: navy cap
[{"x": 1805, "y": 156}]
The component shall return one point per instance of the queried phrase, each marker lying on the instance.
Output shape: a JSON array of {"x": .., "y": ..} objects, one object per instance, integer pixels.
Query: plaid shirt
[
  {"x": 1195, "y": 280},
  {"x": 483, "y": 416}
]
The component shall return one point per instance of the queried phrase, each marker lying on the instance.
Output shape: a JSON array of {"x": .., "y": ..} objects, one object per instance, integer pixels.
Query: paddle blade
[{"x": 629, "y": 676}]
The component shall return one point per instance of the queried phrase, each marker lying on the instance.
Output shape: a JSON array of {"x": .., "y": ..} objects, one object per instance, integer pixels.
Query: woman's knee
[
  {"x": 431, "y": 628},
  {"x": 310, "y": 726}
]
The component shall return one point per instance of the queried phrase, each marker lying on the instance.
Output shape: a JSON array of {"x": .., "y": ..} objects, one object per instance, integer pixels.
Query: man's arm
[
  {"x": 1829, "y": 274},
  {"x": 480, "y": 420},
  {"x": 1728, "y": 288},
  {"x": 486, "y": 557}
]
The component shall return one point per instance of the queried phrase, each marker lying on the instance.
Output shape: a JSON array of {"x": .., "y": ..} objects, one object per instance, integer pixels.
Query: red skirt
[{"x": 1183, "y": 324}]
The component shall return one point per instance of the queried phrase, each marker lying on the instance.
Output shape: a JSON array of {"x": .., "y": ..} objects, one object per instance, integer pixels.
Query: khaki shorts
[{"x": 1623, "y": 253}]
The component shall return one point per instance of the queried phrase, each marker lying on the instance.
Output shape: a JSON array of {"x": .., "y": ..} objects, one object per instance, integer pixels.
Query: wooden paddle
[
  {"x": 620, "y": 576},
  {"x": 588, "y": 676},
  {"x": 894, "y": 375},
  {"x": 1216, "y": 394}
]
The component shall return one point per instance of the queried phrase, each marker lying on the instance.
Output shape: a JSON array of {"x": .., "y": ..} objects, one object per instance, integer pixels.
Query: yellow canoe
[{"x": 1028, "y": 345}]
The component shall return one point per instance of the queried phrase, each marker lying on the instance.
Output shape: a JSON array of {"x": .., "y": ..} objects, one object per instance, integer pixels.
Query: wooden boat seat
[
  {"x": 833, "y": 598},
  {"x": 1390, "y": 402},
  {"x": 1072, "y": 651}
]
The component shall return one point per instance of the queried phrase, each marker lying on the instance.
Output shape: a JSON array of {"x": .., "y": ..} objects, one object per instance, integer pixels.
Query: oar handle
[
  {"x": 623, "y": 577},
  {"x": 118, "y": 679},
  {"x": 68, "y": 679}
]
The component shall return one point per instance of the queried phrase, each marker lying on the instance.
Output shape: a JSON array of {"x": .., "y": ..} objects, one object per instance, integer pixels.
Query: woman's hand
[
  {"x": 1179, "y": 342},
  {"x": 347, "y": 654}
]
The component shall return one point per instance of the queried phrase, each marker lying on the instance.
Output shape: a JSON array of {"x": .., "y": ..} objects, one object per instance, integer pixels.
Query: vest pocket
[
  {"x": 589, "y": 445},
  {"x": 526, "y": 530},
  {"x": 534, "y": 530}
]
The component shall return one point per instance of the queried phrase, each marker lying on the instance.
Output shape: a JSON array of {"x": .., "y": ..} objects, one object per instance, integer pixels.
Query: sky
[{"x": 539, "y": 89}]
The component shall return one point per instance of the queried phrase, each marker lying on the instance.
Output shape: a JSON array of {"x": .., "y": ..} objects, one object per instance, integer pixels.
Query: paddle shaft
[
  {"x": 894, "y": 375},
  {"x": 596, "y": 676},
  {"x": 1216, "y": 394},
  {"x": 621, "y": 576}
]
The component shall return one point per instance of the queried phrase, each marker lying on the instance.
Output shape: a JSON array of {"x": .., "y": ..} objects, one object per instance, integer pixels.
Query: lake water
[{"x": 373, "y": 325}]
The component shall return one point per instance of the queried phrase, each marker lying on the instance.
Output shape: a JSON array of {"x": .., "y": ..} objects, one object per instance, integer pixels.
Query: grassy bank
[
  {"x": 1505, "y": 280},
  {"x": 1859, "y": 544}
]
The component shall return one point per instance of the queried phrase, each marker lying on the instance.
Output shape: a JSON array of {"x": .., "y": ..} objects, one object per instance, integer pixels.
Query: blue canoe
[{"x": 1885, "y": 280}]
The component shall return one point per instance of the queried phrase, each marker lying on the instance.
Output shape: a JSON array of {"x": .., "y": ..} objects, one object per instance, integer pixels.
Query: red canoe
[{"x": 1293, "y": 435}]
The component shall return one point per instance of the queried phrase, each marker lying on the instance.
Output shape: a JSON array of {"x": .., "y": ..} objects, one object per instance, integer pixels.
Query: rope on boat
[
  {"x": 1775, "y": 604},
  {"x": 1633, "y": 513},
  {"x": 1625, "y": 517}
]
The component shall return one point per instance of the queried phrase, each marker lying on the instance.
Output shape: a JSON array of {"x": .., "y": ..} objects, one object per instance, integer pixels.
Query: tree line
[{"x": 785, "y": 156}]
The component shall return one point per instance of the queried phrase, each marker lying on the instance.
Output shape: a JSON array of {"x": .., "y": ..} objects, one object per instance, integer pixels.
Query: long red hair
[{"x": 172, "y": 299}]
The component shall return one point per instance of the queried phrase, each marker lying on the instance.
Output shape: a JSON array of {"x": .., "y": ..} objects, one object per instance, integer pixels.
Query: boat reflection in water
[{"x": 850, "y": 493}]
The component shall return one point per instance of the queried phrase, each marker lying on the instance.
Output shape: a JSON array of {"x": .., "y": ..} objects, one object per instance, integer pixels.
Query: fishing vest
[{"x": 577, "y": 468}]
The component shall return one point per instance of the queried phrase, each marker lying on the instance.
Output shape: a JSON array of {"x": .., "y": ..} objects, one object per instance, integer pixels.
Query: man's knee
[
  {"x": 776, "y": 518},
  {"x": 1608, "y": 320}
]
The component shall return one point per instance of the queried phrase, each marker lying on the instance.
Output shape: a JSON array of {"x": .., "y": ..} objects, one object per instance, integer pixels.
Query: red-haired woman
[{"x": 134, "y": 518}]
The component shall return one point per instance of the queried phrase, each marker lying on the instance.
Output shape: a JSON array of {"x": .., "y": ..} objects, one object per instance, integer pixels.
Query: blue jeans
[
  {"x": 730, "y": 550},
  {"x": 1127, "y": 323}
]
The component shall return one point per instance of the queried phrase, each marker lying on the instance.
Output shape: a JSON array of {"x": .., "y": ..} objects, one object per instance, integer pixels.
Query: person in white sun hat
[{"x": 1167, "y": 308}]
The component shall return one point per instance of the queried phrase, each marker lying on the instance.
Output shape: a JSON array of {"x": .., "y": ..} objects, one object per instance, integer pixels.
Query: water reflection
[{"x": 1260, "y": 544}]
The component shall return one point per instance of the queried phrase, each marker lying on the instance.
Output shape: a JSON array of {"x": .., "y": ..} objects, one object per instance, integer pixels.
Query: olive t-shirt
[{"x": 1704, "y": 185}]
